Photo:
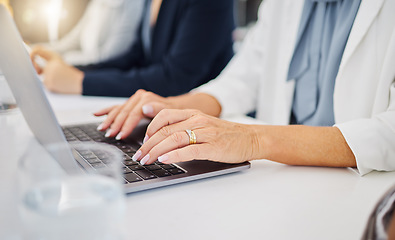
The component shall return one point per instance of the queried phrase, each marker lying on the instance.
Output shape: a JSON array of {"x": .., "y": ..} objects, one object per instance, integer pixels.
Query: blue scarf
[{"x": 323, "y": 33}]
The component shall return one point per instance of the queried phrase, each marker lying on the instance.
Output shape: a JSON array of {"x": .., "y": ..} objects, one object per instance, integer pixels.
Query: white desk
[{"x": 268, "y": 201}]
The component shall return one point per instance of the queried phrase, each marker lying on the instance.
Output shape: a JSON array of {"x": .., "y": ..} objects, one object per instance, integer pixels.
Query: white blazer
[
  {"x": 106, "y": 30},
  {"x": 364, "y": 96}
]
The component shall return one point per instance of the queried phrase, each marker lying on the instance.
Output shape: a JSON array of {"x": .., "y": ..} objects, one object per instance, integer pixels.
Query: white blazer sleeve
[
  {"x": 373, "y": 140},
  {"x": 236, "y": 88}
]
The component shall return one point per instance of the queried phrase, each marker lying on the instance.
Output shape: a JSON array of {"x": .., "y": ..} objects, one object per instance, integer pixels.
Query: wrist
[
  {"x": 259, "y": 142},
  {"x": 174, "y": 102},
  {"x": 204, "y": 102},
  {"x": 79, "y": 77},
  {"x": 182, "y": 101}
]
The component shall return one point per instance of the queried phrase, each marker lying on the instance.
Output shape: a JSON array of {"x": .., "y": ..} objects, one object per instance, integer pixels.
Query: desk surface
[{"x": 268, "y": 201}]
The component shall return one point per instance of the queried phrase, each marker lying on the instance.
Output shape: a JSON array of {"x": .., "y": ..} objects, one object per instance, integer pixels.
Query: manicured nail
[
  {"x": 108, "y": 133},
  {"x": 145, "y": 138},
  {"x": 100, "y": 127},
  {"x": 144, "y": 160},
  {"x": 136, "y": 155},
  {"x": 163, "y": 158},
  {"x": 147, "y": 109},
  {"x": 119, "y": 136}
]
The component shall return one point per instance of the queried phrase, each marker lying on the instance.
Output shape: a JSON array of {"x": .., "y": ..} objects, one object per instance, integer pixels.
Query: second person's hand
[
  {"x": 58, "y": 76},
  {"x": 122, "y": 119}
]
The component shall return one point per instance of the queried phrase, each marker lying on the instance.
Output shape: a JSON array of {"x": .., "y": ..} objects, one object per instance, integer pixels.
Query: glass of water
[
  {"x": 7, "y": 100},
  {"x": 58, "y": 203}
]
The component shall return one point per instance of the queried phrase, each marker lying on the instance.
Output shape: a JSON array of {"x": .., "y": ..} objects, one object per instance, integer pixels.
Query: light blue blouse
[{"x": 323, "y": 33}]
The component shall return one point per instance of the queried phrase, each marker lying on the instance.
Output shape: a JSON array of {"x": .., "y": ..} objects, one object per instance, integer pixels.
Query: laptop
[{"x": 31, "y": 99}]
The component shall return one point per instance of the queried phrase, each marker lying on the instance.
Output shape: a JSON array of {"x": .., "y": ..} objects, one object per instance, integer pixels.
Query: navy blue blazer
[{"x": 191, "y": 44}]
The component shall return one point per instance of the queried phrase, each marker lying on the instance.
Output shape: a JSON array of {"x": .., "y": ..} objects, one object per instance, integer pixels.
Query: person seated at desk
[
  {"x": 182, "y": 44},
  {"x": 326, "y": 67},
  {"x": 96, "y": 38}
]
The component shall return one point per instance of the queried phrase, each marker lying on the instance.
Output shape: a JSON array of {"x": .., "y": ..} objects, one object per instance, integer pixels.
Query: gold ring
[{"x": 192, "y": 136}]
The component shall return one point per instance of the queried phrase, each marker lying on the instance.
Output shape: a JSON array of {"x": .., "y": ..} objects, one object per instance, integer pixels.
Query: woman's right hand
[{"x": 122, "y": 119}]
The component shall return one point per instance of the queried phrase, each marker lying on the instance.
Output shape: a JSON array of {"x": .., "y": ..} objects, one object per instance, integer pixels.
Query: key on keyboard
[{"x": 133, "y": 171}]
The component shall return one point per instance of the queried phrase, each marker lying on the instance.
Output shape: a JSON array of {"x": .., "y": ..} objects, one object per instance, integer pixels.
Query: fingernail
[
  {"x": 119, "y": 136},
  {"x": 163, "y": 158},
  {"x": 147, "y": 109},
  {"x": 108, "y": 133},
  {"x": 144, "y": 160},
  {"x": 136, "y": 155},
  {"x": 145, "y": 138},
  {"x": 100, "y": 127}
]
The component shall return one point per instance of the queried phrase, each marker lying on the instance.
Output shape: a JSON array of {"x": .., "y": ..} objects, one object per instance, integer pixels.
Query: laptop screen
[{"x": 28, "y": 90}]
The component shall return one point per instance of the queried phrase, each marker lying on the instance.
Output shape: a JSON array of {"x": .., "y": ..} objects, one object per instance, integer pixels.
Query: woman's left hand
[
  {"x": 216, "y": 139},
  {"x": 58, "y": 76}
]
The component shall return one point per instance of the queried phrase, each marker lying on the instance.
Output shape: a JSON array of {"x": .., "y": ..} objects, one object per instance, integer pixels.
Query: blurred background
[
  {"x": 49, "y": 20},
  {"x": 36, "y": 18}
]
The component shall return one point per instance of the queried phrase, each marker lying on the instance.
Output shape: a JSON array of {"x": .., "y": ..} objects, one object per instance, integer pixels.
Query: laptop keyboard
[{"x": 133, "y": 171}]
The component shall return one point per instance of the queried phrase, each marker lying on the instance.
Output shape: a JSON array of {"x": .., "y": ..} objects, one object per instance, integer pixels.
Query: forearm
[
  {"x": 303, "y": 145},
  {"x": 200, "y": 101}
]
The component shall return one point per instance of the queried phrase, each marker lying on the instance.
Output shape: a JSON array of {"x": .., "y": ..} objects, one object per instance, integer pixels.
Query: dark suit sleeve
[{"x": 204, "y": 27}]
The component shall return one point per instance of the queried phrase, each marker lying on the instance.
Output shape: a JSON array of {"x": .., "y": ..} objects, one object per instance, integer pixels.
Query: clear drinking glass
[
  {"x": 7, "y": 100},
  {"x": 59, "y": 205}
]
